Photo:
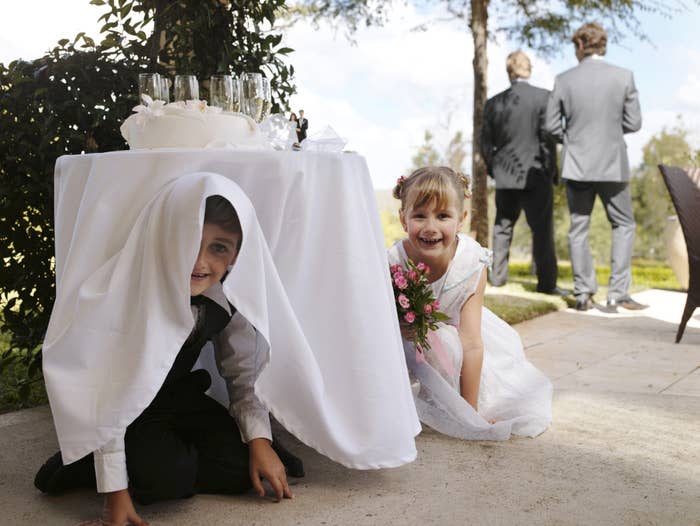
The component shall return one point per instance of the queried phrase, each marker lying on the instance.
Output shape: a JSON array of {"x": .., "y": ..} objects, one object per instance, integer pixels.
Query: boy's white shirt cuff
[
  {"x": 254, "y": 424},
  {"x": 110, "y": 467}
]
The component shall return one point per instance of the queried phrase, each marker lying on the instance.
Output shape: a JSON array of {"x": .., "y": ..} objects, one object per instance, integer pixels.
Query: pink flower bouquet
[{"x": 415, "y": 304}]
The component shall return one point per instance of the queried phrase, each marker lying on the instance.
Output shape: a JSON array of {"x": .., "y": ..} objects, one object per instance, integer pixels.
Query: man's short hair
[
  {"x": 591, "y": 39},
  {"x": 518, "y": 65}
]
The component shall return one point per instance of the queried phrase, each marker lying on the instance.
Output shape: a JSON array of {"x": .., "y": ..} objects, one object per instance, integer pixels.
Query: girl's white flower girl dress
[{"x": 513, "y": 392}]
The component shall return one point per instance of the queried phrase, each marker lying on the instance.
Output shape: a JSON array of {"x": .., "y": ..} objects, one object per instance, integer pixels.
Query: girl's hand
[
  {"x": 264, "y": 463},
  {"x": 118, "y": 510}
]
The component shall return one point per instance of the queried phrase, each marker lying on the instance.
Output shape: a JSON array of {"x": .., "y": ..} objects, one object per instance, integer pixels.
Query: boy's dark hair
[{"x": 220, "y": 212}]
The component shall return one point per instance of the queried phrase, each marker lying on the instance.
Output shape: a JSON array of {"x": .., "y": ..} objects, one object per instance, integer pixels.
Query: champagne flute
[
  {"x": 267, "y": 98},
  {"x": 186, "y": 88},
  {"x": 252, "y": 95},
  {"x": 221, "y": 92},
  {"x": 237, "y": 105},
  {"x": 150, "y": 85},
  {"x": 165, "y": 84}
]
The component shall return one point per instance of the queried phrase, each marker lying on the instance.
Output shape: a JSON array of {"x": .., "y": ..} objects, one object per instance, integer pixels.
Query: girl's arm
[{"x": 472, "y": 344}]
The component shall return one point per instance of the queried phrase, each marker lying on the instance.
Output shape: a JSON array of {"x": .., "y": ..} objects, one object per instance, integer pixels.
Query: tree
[
  {"x": 427, "y": 154},
  {"x": 650, "y": 199},
  {"x": 542, "y": 25},
  {"x": 73, "y": 100}
]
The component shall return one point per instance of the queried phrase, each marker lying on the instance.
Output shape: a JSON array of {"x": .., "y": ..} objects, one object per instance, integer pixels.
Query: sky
[{"x": 382, "y": 92}]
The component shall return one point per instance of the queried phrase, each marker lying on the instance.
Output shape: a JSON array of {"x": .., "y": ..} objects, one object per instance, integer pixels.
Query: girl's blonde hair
[{"x": 432, "y": 183}]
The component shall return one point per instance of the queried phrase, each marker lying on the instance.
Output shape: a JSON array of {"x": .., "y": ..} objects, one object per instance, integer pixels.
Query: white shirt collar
[{"x": 216, "y": 294}]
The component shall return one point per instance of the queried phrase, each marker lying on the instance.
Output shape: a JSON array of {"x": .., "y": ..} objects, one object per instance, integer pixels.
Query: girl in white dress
[{"x": 475, "y": 382}]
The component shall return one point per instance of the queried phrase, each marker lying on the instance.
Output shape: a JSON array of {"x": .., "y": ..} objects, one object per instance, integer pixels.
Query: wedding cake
[{"x": 191, "y": 124}]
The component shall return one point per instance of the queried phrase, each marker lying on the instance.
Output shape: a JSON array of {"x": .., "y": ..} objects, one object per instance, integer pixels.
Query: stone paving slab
[{"x": 615, "y": 454}]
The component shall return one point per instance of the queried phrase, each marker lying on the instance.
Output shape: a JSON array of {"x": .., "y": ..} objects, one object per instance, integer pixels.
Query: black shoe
[
  {"x": 626, "y": 303},
  {"x": 47, "y": 472},
  {"x": 556, "y": 291},
  {"x": 583, "y": 302},
  {"x": 55, "y": 478}
]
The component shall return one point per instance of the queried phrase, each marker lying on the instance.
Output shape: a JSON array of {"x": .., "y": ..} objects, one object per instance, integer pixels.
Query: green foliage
[
  {"x": 201, "y": 38},
  {"x": 59, "y": 104},
  {"x": 427, "y": 154},
  {"x": 646, "y": 274},
  {"x": 652, "y": 203},
  {"x": 72, "y": 101},
  {"x": 453, "y": 156}
]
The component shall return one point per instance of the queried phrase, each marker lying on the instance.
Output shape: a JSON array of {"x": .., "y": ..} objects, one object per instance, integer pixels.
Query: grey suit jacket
[
  {"x": 590, "y": 108},
  {"x": 517, "y": 150}
]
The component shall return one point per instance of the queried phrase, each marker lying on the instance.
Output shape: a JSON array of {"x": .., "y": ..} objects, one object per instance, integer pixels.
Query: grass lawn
[{"x": 515, "y": 302}]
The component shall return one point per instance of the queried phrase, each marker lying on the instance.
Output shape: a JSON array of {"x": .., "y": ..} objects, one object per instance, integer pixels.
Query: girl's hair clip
[{"x": 401, "y": 180}]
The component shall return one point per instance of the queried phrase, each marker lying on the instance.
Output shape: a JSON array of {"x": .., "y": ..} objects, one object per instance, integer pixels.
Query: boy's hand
[
  {"x": 118, "y": 510},
  {"x": 264, "y": 463}
]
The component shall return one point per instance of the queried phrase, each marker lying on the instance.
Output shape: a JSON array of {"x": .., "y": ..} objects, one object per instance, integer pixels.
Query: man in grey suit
[
  {"x": 590, "y": 108},
  {"x": 521, "y": 157}
]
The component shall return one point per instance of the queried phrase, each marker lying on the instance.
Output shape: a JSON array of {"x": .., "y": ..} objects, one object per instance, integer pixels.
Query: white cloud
[
  {"x": 385, "y": 91},
  {"x": 30, "y": 28},
  {"x": 689, "y": 91}
]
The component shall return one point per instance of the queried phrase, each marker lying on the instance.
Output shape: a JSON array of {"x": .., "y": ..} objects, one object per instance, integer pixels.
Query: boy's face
[{"x": 217, "y": 251}]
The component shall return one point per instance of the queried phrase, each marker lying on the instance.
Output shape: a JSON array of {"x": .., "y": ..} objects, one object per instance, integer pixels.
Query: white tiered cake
[{"x": 190, "y": 124}]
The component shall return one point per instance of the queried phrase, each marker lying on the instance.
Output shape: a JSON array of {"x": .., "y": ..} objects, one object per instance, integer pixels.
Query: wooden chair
[{"x": 685, "y": 194}]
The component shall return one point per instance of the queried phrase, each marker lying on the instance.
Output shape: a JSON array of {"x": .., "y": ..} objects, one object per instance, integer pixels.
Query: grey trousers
[{"x": 617, "y": 202}]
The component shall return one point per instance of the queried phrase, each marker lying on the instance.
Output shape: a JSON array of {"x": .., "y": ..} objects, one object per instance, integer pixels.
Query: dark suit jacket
[
  {"x": 303, "y": 126},
  {"x": 517, "y": 150}
]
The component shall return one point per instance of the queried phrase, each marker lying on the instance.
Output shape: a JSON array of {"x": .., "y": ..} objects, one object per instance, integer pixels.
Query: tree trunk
[
  {"x": 157, "y": 39},
  {"x": 478, "y": 26}
]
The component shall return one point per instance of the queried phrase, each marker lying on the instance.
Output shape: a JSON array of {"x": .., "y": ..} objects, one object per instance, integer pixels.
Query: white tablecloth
[{"x": 319, "y": 216}]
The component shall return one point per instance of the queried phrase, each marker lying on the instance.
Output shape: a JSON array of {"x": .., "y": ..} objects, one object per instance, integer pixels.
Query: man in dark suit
[
  {"x": 521, "y": 158},
  {"x": 302, "y": 126},
  {"x": 590, "y": 108}
]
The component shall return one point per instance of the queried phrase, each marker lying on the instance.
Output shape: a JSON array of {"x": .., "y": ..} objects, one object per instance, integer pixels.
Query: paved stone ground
[{"x": 624, "y": 447}]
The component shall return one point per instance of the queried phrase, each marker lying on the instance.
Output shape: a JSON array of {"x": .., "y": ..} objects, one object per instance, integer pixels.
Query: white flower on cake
[{"x": 151, "y": 107}]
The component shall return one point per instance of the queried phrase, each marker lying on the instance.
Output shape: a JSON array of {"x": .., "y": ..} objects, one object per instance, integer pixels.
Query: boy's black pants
[{"x": 185, "y": 443}]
